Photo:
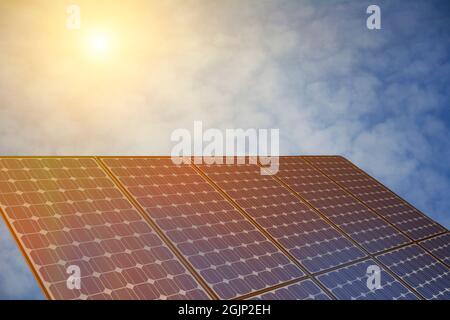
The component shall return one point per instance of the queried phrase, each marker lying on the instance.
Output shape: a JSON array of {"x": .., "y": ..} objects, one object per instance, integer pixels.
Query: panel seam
[
  {"x": 156, "y": 228},
  {"x": 262, "y": 230},
  {"x": 349, "y": 192},
  {"x": 368, "y": 254}
]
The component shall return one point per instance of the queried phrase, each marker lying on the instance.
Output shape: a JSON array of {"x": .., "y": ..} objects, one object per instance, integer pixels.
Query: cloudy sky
[{"x": 310, "y": 68}]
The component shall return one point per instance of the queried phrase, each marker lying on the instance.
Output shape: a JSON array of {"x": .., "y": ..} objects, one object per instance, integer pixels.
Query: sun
[{"x": 99, "y": 44}]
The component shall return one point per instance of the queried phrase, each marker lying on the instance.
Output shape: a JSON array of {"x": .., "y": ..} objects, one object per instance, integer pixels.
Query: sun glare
[{"x": 99, "y": 44}]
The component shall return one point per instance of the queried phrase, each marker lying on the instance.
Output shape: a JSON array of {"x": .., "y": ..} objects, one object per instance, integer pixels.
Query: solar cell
[
  {"x": 439, "y": 246},
  {"x": 360, "y": 223},
  {"x": 394, "y": 209},
  {"x": 144, "y": 228},
  {"x": 302, "y": 290},
  {"x": 67, "y": 212},
  {"x": 229, "y": 252},
  {"x": 305, "y": 235},
  {"x": 420, "y": 270},
  {"x": 353, "y": 283}
]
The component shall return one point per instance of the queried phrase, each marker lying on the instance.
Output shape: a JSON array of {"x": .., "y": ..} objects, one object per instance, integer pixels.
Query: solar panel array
[
  {"x": 145, "y": 228},
  {"x": 439, "y": 246},
  {"x": 420, "y": 270},
  {"x": 376, "y": 196},
  {"x": 359, "y": 222},
  {"x": 68, "y": 212},
  {"x": 229, "y": 252},
  {"x": 309, "y": 238},
  {"x": 350, "y": 283}
]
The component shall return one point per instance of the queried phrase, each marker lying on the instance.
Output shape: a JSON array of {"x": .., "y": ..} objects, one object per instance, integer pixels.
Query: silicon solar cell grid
[
  {"x": 420, "y": 270},
  {"x": 306, "y": 236},
  {"x": 439, "y": 246},
  {"x": 67, "y": 212},
  {"x": 351, "y": 283},
  {"x": 231, "y": 254},
  {"x": 406, "y": 218},
  {"x": 361, "y": 224},
  {"x": 303, "y": 290}
]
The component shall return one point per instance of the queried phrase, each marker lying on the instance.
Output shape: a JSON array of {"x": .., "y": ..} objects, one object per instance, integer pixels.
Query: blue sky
[{"x": 311, "y": 68}]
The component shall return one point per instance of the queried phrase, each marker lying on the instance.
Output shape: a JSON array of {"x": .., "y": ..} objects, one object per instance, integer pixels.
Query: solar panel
[
  {"x": 67, "y": 212},
  {"x": 145, "y": 228},
  {"x": 228, "y": 251},
  {"x": 351, "y": 283},
  {"x": 394, "y": 209},
  {"x": 420, "y": 270},
  {"x": 439, "y": 246},
  {"x": 304, "y": 234},
  {"x": 360, "y": 223},
  {"x": 302, "y": 290}
]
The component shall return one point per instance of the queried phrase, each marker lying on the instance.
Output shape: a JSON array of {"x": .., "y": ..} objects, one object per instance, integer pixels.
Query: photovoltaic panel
[
  {"x": 68, "y": 213},
  {"x": 301, "y": 231},
  {"x": 360, "y": 223},
  {"x": 302, "y": 290},
  {"x": 394, "y": 209},
  {"x": 420, "y": 270},
  {"x": 353, "y": 283},
  {"x": 143, "y": 228},
  {"x": 439, "y": 246},
  {"x": 230, "y": 253}
]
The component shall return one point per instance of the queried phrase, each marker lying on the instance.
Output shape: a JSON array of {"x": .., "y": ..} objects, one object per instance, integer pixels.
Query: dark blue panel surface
[
  {"x": 363, "y": 225},
  {"x": 439, "y": 246},
  {"x": 394, "y": 209},
  {"x": 420, "y": 270},
  {"x": 306, "y": 235},
  {"x": 351, "y": 283}
]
